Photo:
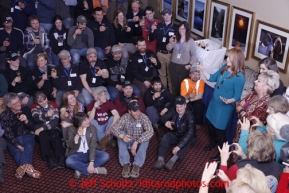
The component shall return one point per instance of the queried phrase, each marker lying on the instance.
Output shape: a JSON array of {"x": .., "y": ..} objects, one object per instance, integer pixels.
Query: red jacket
[
  {"x": 283, "y": 183},
  {"x": 151, "y": 45}
]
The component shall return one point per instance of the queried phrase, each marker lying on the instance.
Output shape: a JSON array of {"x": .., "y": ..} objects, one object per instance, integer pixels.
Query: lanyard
[
  {"x": 165, "y": 32},
  {"x": 181, "y": 47},
  {"x": 92, "y": 70},
  {"x": 66, "y": 72}
]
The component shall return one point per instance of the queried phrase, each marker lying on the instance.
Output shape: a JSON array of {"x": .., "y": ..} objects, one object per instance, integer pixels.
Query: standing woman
[
  {"x": 68, "y": 110},
  {"x": 270, "y": 64},
  {"x": 58, "y": 38},
  {"x": 230, "y": 80},
  {"x": 42, "y": 80},
  {"x": 123, "y": 34},
  {"x": 184, "y": 55}
]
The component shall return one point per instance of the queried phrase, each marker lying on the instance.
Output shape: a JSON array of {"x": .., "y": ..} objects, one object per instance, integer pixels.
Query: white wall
[{"x": 270, "y": 11}]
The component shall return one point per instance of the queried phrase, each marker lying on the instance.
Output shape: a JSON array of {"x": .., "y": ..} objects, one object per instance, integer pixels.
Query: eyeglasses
[{"x": 16, "y": 103}]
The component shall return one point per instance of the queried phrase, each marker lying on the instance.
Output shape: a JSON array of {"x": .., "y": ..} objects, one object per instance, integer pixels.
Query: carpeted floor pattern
[{"x": 62, "y": 180}]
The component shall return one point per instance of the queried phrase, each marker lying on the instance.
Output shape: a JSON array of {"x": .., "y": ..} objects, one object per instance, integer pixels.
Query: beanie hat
[{"x": 279, "y": 124}]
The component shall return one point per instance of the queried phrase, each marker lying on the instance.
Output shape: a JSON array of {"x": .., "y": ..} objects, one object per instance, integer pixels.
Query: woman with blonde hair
[{"x": 229, "y": 80}]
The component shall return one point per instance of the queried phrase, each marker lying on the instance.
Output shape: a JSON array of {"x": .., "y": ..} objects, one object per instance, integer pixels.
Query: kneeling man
[
  {"x": 182, "y": 124},
  {"x": 133, "y": 131}
]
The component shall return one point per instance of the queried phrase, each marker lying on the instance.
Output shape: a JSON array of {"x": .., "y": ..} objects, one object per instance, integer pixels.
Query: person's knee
[
  {"x": 69, "y": 162},
  {"x": 105, "y": 157}
]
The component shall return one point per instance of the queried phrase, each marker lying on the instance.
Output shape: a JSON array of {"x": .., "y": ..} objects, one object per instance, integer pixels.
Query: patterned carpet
[{"x": 150, "y": 180}]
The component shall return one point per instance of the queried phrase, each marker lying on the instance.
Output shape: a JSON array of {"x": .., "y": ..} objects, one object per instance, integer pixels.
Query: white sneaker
[{"x": 77, "y": 174}]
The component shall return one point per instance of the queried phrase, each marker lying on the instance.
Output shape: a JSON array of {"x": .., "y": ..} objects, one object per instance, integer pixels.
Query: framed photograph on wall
[
  {"x": 182, "y": 10},
  {"x": 166, "y": 4},
  {"x": 199, "y": 12},
  {"x": 240, "y": 30},
  {"x": 218, "y": 22},
  {"x": 272, "y": 41}
]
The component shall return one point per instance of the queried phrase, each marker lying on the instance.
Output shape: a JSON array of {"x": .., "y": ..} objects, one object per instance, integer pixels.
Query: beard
[
  {"x": 92, "y": 62},
  {"x": 142, "y": 51}
]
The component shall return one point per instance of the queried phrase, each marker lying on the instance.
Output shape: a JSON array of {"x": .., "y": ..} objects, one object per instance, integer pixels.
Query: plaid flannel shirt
[
  {"x": 140, "y": 134},
  {"x": 29, "y": 37}
]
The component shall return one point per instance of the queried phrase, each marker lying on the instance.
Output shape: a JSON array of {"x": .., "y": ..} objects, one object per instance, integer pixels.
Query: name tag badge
[
  {"x": 171, "y": 33},
  {"x": 12, "y": 9},
  {"x": 140, "y": 60},
  {"x": 93, "y": 80},
  {"x": 179, "y": 56},
  {"x": 73, "y": 75},
  {"x": 17, "y": 7},
  {"x": 69, "y": 83},
  {"x": 164, "y": 39},
  {"x": 146, "y": 69},
  {"x": 60, "y": 43},
  {"x": 136, "y": 25},
  {"x": 122, "y": 77},
  {"x": 138, "y": 125}
]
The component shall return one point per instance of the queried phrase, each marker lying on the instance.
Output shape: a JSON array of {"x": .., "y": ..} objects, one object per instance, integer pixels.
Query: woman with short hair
[{"x": 83, "y": 154}]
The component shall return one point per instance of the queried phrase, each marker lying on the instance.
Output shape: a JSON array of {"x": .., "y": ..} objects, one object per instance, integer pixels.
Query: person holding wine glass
[
  {"x": 70, "y": 107},
  {"x": 19, "y": 79},
  {"x": 183, "y": 57},
  {"x": 123, "y": 34},
  {"x": 42, "y": 80}
]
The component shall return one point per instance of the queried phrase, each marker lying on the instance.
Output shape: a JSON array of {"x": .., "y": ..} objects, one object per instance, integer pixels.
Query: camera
[
  {"x": 232, "y": 148},
  {"x": 284, "y": 155}
]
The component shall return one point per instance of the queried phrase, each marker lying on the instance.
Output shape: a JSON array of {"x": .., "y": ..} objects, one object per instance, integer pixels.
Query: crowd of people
[{"x": 77, "y": 76}]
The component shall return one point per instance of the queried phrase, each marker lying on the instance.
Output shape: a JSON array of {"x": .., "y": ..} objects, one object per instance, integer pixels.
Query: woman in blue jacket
[{"x": 228, "y": 89}]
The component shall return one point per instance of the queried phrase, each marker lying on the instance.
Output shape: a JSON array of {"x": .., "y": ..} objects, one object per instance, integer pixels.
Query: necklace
[{"x": 222, "y": 79}]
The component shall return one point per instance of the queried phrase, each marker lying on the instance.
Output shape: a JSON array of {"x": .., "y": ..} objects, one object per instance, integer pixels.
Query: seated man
[
  {"x": 35, "y": 42},
  {"x": 134, "y": 16},
  {"x": 182, "y": 124},
  {"x": 17, "y": 123},
  {"x": 66, "y": 78},
  {"x": 3, "y": 147},
  {"x": 158, "y": 101},
  {"x": 103, "y": 115},
  {"x": 117, "y": 70},
  {"x": 92, "y": 72},
  {"x": 144, "y": 65},
  {"x": 125, "y": 97},
  {"x": 19, "y": 79},
  {"x": 79, "y": 38},
  {"x": 46, "y": 117},
  {"x": 133, "y": 131},
  {"x": 193, "y": 89}
]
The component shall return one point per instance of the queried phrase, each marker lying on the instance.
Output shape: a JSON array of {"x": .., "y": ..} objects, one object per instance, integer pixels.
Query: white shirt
[{"x": 83, "y": 143}]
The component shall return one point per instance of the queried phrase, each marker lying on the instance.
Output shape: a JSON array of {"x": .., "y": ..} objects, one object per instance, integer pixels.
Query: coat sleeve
[{"x": 189, "y": 136}]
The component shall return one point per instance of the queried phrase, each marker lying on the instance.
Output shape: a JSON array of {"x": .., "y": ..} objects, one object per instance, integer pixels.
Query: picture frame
[
  {"x": 199, "y": 12},
  {"x": 182, "y": 10},
  {"x": 166, "y": 4},
  {"x": 241, "y": 21},
  {"x": 219, "y": 15},
  {"x": 273, "y": 41}
]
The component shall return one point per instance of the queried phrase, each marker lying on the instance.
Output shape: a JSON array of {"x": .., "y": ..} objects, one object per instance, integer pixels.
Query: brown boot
[
  {"x": 20, "y": 172},
  {"x": 103, "y": 142},
  {"x": 29, "y": 169}
]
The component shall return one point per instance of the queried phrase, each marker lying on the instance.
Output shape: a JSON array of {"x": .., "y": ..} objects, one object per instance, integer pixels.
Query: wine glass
[
  {"x": 19, "y": 113},
  {"x": 96, "y": 70}
]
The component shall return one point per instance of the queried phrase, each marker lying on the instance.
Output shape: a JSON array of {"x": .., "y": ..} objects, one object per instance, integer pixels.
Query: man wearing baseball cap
[
  {"x": 133, "y": 130},
  {"x": 163, "y": 32},
  {"x": 93, "y": 73},
  {"x": 182, "y": 124},
  {"x": 66, "y": 78},
  {"x": 11, "y": 39},
  {"x": 126, "y": 96},
  {"x": 79, "y": 38}
]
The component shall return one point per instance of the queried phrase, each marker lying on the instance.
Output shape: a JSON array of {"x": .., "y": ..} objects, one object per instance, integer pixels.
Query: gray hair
[
  {"x": 271, "y": 79},
  {"x": 10, "y": 96}
]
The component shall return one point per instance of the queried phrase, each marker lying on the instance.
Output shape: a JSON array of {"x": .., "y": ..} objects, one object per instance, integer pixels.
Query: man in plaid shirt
[{"x": 133, "y": 131}]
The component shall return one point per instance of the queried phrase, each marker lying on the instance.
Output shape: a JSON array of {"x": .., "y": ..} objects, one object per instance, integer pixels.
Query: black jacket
[
  {"x": 187, "y": 128},
  {"x": 58, "y": 39},
  {"x": 116, "y": 69},
  {"x": 122, "y": 36},
  {"x": 136, "y": 28},
  {"x": 166, "y": 100}
]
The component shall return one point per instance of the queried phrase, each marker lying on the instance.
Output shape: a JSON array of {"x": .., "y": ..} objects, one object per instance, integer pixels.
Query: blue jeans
[
  {"x": 60, "y": 93},
  {"x": 88, "y": 98},
  {"x": 101, "y": 129},
  {"x": 25, "y": 157},
  {"x": 46, "y": 26},
  {"x": 68, "y": 22},
  {"x": 80, "y": 161},
  {"x": 153, "y": 114},
  {"x": 100, "y": 53},
  {"x": 123, "y": 152},
  {"x": 30, "y": 61},
  {"x": 114, "y": 92},
  {"x": 76, "y": 53},
  {"x": 55, "y": 59}
]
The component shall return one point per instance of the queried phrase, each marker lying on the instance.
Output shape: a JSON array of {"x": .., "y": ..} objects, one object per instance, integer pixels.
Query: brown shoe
[
  {"x": 29, "y": 169},
  {"x": 126, "y": 171},
  {"x": 103, "y": 142},
  {"x": 20, "y": 172},
  {"x": 135, "y": 171}
]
